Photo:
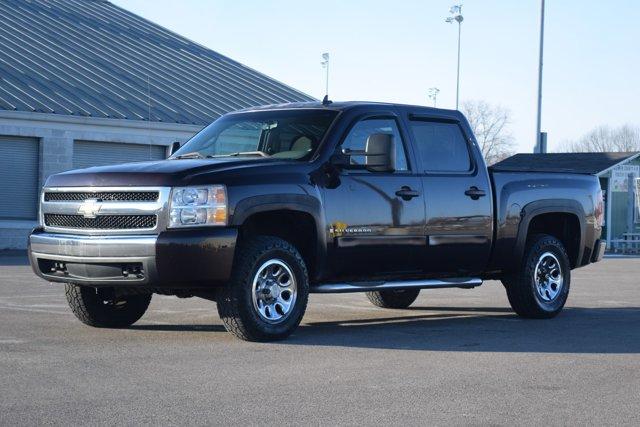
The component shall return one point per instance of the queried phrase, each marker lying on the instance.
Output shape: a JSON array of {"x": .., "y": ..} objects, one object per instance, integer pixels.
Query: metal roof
[
  {"x": 344, "y": 105},
  {"x": 92, "y": 58},
  {"x": 583, "y": 163}
]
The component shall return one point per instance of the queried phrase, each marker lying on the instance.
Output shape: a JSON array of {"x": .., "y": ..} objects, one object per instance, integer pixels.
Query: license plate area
[{"x": 120, "y": 271}]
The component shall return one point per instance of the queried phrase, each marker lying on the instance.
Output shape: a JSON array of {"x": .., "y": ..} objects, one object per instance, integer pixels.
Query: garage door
[
  {"x": 90, "y": 153},
  {"x": 18, "y": 178}
]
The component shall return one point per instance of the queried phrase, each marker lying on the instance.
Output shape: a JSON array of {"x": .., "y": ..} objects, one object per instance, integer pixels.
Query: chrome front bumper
[
  {"x": 93, "y": 259},
  {"x": 197, "y": 258},
  {"x": 93, "y": 246}
]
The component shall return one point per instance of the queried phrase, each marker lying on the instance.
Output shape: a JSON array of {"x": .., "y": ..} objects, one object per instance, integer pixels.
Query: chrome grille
[
  {"x": 102, "y": 222},
  {"x": 105, "y": 196},
  {"x": 102, "y": 211}
]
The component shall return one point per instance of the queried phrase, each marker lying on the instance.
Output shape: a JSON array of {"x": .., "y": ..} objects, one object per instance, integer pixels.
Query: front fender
[
  {"x": 308, "y": 204},
  {"x": 272, "y": 202}
]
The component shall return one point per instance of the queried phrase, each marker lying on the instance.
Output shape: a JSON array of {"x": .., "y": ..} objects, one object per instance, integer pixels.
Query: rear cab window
[{"x": 441, "y": 147}]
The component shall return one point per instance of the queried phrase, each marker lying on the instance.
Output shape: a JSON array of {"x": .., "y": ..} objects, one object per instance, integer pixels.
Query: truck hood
[{"x": 158, "y": 173}]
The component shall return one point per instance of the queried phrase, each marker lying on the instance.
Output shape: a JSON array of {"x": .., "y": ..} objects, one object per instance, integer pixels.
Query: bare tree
[
  {"x": 604, "y": 138},
  {"x": 490, "y": 126}
]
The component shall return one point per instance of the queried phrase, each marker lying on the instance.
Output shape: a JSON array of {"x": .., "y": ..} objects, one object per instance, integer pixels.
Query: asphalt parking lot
[{"x": 455, "y": 357}]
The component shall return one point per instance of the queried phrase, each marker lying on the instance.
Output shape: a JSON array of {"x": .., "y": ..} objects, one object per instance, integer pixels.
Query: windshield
[{"x": 281, "y": 134}]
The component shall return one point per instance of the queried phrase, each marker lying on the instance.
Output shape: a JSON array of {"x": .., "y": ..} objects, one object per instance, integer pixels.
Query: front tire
[
  {"x": 539, "y": 290},
  {"x": 101, "y": 308},
  {"x": 267, "y": 295},
  {"x": 401, "y": 298}
]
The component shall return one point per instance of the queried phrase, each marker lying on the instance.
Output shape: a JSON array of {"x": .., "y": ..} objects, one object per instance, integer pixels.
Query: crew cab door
[
  {"x": 457, "y": 196},
  {"x": 375, "y": 219}
]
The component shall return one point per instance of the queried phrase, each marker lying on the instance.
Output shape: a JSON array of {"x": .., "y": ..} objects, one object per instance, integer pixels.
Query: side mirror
[
  {"x": 175, "y": 146},
  {"x": 380, "y": 153}
]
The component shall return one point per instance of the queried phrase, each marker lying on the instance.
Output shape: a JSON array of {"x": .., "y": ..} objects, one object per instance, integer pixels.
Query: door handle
[
  {"x": 406, "y": 193},
  {"x": 474, "y": 193}
]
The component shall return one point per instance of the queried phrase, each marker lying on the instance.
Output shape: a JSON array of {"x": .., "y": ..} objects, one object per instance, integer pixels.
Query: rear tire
[
  {"x": 539, "y": 290},
  {"x": 267, "y": 295},
  {"x": 401, "y": 298},
  {"x": 100, "y": 308}
]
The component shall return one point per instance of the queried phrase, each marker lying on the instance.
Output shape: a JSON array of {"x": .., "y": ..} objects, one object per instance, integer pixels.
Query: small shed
[{"x": 622, "y": 216}]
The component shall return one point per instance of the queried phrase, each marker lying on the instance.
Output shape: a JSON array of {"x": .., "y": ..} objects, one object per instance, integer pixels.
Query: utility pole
[
  {"x": 433, "y": 94},
  {"x": 456, "y": 12},
  {"x": 538, "y": 146},
  {"x": 325, "y": 65}
]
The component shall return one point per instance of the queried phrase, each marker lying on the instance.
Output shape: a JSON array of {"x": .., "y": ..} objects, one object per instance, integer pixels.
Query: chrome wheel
[
  {"x": 548, "y": 277},
  {"x": 274, "y": 291}
]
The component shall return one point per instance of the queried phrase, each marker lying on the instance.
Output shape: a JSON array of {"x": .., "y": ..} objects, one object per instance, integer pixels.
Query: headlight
[{"x": 194, "y": 206}]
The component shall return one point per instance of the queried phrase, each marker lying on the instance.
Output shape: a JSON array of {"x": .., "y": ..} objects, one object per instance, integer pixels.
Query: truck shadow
[
  {"x": 485, "y": 329},
  {"x": 575, "y": 330},
  {"x": 178, "y": 328}
]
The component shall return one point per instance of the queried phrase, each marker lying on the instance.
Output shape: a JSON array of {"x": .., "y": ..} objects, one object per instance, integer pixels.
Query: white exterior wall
[{"x": 56, "y": 135}]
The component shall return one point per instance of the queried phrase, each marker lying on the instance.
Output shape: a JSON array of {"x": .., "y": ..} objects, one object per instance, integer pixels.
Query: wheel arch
[
  {"x": 563, "y": 219},
  {"x": 294, "y": 218}
]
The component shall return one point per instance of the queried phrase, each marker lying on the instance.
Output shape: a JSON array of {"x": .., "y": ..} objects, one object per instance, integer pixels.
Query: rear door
[
  {"x": 457, "y": 196},
  {"x": 376, "y": 219}
]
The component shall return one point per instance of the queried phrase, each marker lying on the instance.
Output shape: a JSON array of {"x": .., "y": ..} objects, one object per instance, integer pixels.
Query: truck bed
[
  {"x": 520, "y": 195},
  {"x": 576, "y": 163}
]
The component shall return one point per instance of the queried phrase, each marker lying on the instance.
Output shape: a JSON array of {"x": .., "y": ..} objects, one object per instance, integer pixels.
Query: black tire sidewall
[
  {"x": 399, "y": 299},
  {"x": 543, "y": 245},
  {"x": 243, "y": 291},
  {"x": 89, "y": 308}
]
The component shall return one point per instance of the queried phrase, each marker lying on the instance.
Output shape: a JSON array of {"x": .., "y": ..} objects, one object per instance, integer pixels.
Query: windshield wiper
[
  {"x": 243, "y": 153},
  {"x": 197, "y": 155},
  {"x": 192, "y": 155}
]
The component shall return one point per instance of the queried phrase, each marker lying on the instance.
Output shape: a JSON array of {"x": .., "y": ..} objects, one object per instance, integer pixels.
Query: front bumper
[{"x": 198, "y": 258}]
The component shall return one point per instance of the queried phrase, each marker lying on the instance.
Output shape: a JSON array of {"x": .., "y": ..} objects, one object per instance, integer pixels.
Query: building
[
  {"x": 85, "y": 82},
  {"x": 622, "y": 216}
]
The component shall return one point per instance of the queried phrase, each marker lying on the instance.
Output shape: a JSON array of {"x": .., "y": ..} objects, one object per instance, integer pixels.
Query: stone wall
[{"x": 56, "y": 135}]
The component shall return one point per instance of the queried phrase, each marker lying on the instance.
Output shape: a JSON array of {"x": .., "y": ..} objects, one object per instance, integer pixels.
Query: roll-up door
[
  {"x": 90, "y": 153},
  {"x": 19, "y": 187}
]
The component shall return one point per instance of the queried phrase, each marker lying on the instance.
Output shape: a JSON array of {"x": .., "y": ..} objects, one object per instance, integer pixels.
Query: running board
[{"x": 334, "y": 288}]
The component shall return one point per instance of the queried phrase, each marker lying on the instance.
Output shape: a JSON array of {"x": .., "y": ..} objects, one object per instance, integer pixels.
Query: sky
[{"x": 395, "y": 51}]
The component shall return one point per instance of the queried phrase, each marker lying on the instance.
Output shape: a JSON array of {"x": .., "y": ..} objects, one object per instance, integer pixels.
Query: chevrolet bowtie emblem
[{"x": 89, "y": 208}]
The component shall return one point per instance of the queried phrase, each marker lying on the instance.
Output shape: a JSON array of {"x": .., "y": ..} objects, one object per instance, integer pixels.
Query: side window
[
  {"x": 441, "y": 147},
  {"x": 357, "y": 139}
]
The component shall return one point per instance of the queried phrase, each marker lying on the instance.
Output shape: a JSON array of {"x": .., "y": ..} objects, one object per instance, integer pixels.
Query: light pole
[
  {"x": 433, "y": 94},
  {"x": 456, "y": 16},
  {"x": 538, "y": 147},
  {"x": 325, "y": 65}
]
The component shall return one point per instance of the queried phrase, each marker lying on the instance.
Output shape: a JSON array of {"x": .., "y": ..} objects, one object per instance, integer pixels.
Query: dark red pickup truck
[{"x": 266, "y": 205}]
